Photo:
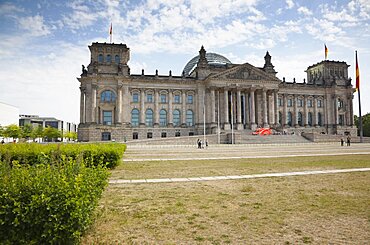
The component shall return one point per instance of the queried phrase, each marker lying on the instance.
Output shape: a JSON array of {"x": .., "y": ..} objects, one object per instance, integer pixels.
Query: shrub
[
  {"x": 92, "y": 154},
  {"x": 48, "y": 203}
]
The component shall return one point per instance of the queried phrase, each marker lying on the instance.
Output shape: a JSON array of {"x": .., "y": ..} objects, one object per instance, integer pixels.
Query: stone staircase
[{"x": 272, "y": 139}]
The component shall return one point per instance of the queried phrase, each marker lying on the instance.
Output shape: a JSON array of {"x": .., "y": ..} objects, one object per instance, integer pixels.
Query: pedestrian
[
  {"x": 341, "y": 141},
  {"x": 348, "y": 141},
  {"x": 199, "y": 142},
  {"x": 206, "y": 143}
]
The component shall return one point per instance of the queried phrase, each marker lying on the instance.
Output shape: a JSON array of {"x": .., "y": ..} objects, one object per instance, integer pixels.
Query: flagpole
[{"x": 359, "y": 100}]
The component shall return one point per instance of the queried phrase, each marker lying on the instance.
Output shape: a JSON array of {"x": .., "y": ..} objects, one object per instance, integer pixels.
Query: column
[
  {"x": 156, "y": 108},
  {"x": 126, "y": 108},
  {"x": 119, "y": 111},
  {"x": 264, "y": 102},
  {"x": 239, "y": 110},
  {"x": 305, "y": 111},
  {"x": 213, "y": 106},
  {"x": 170, "y": 109},
  {"x": 276, "y": 111},
  {"x": 335, "y": 100},
  {"x": 93, "y": 104},
  {"x": 82, "y": 106},
  {"x": 350, "y": 100},
  {"x": 271, "y": 105},
  {"x": 142, "y": 107},
  {"x": 246, "y": 109},
  {"x": 226, "y": 106},
  {"x": 314, "y": 118},
  {"x": 183, "y": 107},
  {"x": 252, "y": 109},
  {"x": 295, "y": 122},
  {"x": 285, "y": 110}
]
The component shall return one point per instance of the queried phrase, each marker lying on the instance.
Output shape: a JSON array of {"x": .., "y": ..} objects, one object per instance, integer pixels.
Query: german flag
[
  {"x": 326, "y": 52},
  {"x": 357, "y": 75}
]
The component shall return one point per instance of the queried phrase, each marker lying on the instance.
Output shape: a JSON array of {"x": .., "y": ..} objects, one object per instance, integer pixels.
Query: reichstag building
[{"x": 211, "y": 94}]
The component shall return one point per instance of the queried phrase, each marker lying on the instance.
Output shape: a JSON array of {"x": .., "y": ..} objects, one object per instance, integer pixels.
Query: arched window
[
  {"x": 310, "y": 118},
  {"x": 149, "y": 117},
  {"x": 319, "y": 119},
  {"x": 163, "y": 117},
  {"x": 109, "y": 58},
  {"x": 189, "y": 118},
  {"x": 100, "y": 58},
  {"x": 135, "y": 117},
  {"x": 116, "y": 59},
  {"x": 107, "y": 96},
  {"x": 300, "y": 119},
  {"x": 289, "y": 119},
  {"x": 176, "y": 118},
  {"x": 280, "y": 117}
]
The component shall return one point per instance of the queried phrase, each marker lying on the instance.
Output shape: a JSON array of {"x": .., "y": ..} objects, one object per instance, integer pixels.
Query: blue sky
[{"x": 44, "y": 43}]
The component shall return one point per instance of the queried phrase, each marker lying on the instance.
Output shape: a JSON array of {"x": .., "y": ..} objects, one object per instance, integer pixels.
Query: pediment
[{"x": 244, "y": 72}]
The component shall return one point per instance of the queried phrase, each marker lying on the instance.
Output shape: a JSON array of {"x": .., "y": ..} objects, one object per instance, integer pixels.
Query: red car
[{"x": 262, "y": 131}]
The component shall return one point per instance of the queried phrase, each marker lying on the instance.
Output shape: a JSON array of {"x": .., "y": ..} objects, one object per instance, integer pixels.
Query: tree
[
  {"x": 1, "y": 131},
  {"x": 365, "y": 124},
  {"x": 37, "y": 132},
  {"x": 12, "y": 131},
  {"x": 26, "y": 131},
  {"x": 70, "y": 135},
  {"x": 52, "y": 133}
]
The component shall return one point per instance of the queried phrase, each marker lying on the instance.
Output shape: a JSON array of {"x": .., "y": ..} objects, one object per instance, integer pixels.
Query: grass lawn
[
  {"x": 198, "y": 168},
  {"x": 318, "y": 209}
]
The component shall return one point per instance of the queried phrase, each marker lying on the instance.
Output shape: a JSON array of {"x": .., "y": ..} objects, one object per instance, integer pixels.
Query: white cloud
[
  {"x": 34, "y": 25},
  {"x": 305, "y": 11},
  {"x": 290, "y": 4},
  {"x": 8, "y": 8}
]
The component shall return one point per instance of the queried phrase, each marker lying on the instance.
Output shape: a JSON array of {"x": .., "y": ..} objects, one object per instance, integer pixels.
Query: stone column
[
  {"x": 305, "y": 111},
  {"x": 295, "y": 122},
  {"x": 213, "y": 106},
  {"x": 350, "y": 102},
  {"x": 285, "y": 110},
  {"x": 93, "y": 103},
  {"x": 170, "y": 108},
  {"x": 226, "y": 110},
  {"x": 314, "y": 118},
  {"x": 252, "y": 109},
  {"x": 156, "y": 108},
  {"x": 336, "y": 114},
  {"x": 276, "y": 103},
  {"x": 119, "y": 100},
  {"x": 271, "y": 107},
  {"x": 82, "y": 106},
  {"x": 239, "y": 110},
  {"x": 183, "y": 107},
  {"x": 126, "y": 108},
  {"x": 142, "y": 107},
  {"x": 246, "y": 110},
  {"x": 264, "y": 102}
]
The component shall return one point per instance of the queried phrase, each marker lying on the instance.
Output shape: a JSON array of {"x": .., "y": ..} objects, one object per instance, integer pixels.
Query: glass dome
[{"x": 212, "y": 58}]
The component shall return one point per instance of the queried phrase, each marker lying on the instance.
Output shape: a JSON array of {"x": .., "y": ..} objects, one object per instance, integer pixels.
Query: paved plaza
[{"x": 216, "y": 152}]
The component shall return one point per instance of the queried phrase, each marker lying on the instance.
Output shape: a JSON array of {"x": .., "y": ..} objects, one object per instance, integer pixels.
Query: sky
[{"x": 43, "y": 44}]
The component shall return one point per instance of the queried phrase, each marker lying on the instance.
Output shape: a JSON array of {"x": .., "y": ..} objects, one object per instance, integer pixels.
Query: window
[
  {"x": 149, "y": 135},
  {"x": 163, "y": 117},
  {"x": 163, "y": 135},
  {"x": 105, "y": 136},
  {"x": 319, "y": 119},
  {"x": 135, "y": 117},
  {"x": 135, "y": 135},
  {"x": 280, "y": 102},
  {"x": 177, "y": 134},
  {"x": 100, "y": 58},
  {"x": 310, "y": 118},
  {"x": 280, "y": 118},
  {"x": 309, "y": 103},
  {"x": 107, "y": 96},
  {"x": 290, "y": 119},
  {"x": 107, "y": 117},
  {"x": 300, "y": 102},
  {"x": 149, "y": 98},
  {"x": 191, "y": 133},
  {"x": 116, "y": 59},
  {"x": 190, "y": 99},
  {"x": 319, "y": 103},
  {"x": 149, "y": 117},
  {"x": 135, "y": 97},
  {"x": 340, "y": 104},
  {"x": 109, "y": 58},
  {"x": 300, "y": 119},
  {"x": 163, "y": 98},
  {"x": 176, "y": 98},
  {"x": 290, "y": 102},
  {"x": 189, "y": 118},
  {"x": 341, "y": 120},
  {"x": 176, "y": 118}
]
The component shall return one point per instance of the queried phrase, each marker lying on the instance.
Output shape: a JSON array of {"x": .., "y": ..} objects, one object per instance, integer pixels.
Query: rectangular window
[
  {"x": 163, "y": 98},
  {"x": 300, "y": 102},
  {"x": 309, "y": 103},
  {"x": 105, "y": 136},
  {"x": 341, "y": 120},
  {"x": 280, "y": 102},
  {"x": 177, "y": 134},
  {"x": 107, "y": 117},
  {"x": 149, "y": 135},
  {"x": 135, "y": 135},
  {"x": 135, "y": 97},
  {"x": 176, "y": 99},
  {"x": 319, "y": 103},
  {"x": 190, "y": 99},
  {"x": 163, "y": 135},
  {"x": 191, "y": 133},
  {"x": 290, "y": 102},
  {"x": 149, "y": 98}
]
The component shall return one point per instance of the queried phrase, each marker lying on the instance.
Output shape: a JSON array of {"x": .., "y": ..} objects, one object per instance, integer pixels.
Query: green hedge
[
  {"x": 109, "y": 154},
  {"x": 46, "y": 203}
]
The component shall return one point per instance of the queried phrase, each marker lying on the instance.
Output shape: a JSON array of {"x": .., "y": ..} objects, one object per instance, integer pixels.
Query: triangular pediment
[{"x": 244, "y": 72}]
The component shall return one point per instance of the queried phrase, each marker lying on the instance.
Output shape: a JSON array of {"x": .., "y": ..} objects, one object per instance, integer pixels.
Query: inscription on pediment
[{"x": 244, "y": 73}]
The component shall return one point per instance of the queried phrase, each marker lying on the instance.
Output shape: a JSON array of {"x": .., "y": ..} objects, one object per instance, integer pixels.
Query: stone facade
[{"x": 117, "y": 105}]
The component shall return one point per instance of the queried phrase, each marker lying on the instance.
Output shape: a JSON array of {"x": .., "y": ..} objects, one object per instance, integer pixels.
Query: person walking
[
  {"x": 348, "y": 141},
  {"x": 342, "y": 142}
]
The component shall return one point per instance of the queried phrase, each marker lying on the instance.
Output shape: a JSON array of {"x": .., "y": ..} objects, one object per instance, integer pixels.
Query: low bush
[
  {"x": 48, "y": 203},
  {"x": 92, "y": 154}
]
